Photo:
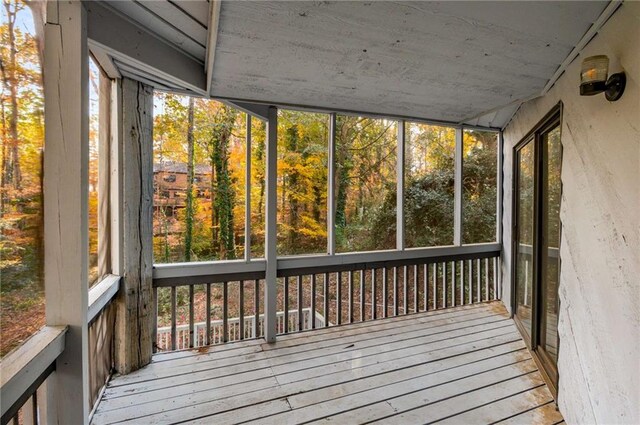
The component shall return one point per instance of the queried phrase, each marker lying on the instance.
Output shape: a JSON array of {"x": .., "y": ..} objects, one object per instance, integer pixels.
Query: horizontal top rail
[
  {"x": 102, "y": 294},
  {"x": 220, "y": 271},
  {"x": 25, "y": 368}
]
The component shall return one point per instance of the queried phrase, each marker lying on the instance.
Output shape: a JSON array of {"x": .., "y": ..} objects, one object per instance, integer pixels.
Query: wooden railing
[
  {"x": 101, "y": 316},
  {"x": 203, "y": 307},
  {"x": 25, "y": 371}
]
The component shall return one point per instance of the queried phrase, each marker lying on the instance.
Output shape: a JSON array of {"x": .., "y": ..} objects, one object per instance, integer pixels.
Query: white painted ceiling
[{"x": 449, "y": 61}]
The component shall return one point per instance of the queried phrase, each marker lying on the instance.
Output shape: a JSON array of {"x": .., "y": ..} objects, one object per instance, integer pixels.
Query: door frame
[{"x": 547, "y": 367}]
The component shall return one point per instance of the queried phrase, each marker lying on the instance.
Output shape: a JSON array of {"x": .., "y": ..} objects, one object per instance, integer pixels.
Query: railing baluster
[
  {"x": 191, "y": 313},
  {"x": 225, "y": 311},
  {"x": 373, "y": 294},
  {"x": 339, "y": 298},
  {"x": 425, "y": 277},
  {"x": 461, "y": 282},
  {"x": 286, "y": 305},
  {"x": 173, "y": 317},
  {"x": 256, "y": 309},
  {"x": 154, "y": 335},
  {"x": 453, "y": 283},
  {"x": 444, "y": 284},
  {"x": 435, "y": 286},
  {"x": 495, "y": 278},
  {"x": 405, "y": 289},
  {"x": 362, "y": 289},
  {"x": 300, "y": 321},
  {"x": 396, "y": 299},
  {"x": 486, "y": 279},
  {"x": 241, "y": 296},
  {"x": 207, "y": 337},
  {"x": 415, "y": 288},
  {"x": 470, "y": 280},
  {"x": 313, "y": 301},
  {"x": 385, "y": 294},
  {"x": 326, "y": 300},
  {"x": 351, "y": 296},
  {"x": 478, "y": 296}
]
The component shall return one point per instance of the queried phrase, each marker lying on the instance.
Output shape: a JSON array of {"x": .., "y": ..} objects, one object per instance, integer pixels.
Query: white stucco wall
[{"x": 599, "y": 324}]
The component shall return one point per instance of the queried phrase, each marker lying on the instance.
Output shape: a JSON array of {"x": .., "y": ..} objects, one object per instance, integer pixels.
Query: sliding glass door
[{"x": 537, "y": 228}]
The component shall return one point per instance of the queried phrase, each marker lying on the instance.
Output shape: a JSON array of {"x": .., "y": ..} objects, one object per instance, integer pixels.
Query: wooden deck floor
[{"x": 465, "y": 365}]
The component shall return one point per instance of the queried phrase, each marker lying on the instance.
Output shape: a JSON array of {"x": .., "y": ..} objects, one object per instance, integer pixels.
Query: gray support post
[
  {"x": 500, "y": 191},
  {"x": 400, "y": 188},
  {"x": 247, "y": 193},
  {"x": 270, "y": 255},
  {"x": 457, "y": 209},
  {"x": 134, "y": 310},
  {"x": 134, "y": 304},
  {"x": 66, "y": 161},
  {"x": 331, "y": 187}
]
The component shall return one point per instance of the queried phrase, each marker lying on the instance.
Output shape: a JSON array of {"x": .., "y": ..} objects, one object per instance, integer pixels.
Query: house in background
[
  {"x": 170, "y": 185},
  {"x": 540, "y": 324}
]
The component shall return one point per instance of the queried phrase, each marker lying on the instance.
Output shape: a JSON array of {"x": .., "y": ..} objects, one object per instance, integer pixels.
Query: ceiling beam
[
  {"x": 212, "y": 39},
  {"x": 122, "y": 40},
  {"x": 254, "y": 109}
]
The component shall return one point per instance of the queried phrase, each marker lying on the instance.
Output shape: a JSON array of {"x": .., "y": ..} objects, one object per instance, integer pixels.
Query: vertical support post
[
  {"x": 247, "y": 193},
  {"x": 500, "y": 191},
  {"x": 116, "y": 200},
  {"x": 66, "y": 161},
  {"x": 134, "y": 321},
  {"x": 270, "y": 255},
  {"x": 331, "y": 187},
  {"x": 457, "y": 208},
  {"x": 400, "y": 189},
  {"x": 104, "y": 170}
]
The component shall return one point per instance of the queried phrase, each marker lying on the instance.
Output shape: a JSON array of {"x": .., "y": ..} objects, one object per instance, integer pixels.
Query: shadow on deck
[{"x": 459, "y": 365}]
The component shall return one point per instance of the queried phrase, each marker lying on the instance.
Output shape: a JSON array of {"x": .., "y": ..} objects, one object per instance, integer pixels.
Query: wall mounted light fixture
[{"x": 593, "y": 79}]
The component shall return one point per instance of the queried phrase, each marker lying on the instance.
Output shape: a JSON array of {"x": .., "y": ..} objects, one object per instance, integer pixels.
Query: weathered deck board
[{"x": 463, "y": 365}]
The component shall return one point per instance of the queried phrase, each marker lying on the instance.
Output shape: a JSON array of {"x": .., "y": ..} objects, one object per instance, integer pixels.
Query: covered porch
[{"x": 483, "y": 268}]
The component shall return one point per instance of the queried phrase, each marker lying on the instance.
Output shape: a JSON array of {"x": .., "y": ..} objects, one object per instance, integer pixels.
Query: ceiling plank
[{"x": 214, "y": 20}]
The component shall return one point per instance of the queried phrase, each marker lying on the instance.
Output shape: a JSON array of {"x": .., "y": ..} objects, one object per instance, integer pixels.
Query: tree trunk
[
  {"x": 224, "y": 193},
  {"x": 12, "y": 173},
  {"x": 189, "y": 210}
]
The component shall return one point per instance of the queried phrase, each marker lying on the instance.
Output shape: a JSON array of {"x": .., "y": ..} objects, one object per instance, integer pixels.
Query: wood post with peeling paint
[
  {"x": 135, "y": 305},
  {"x": 66, "y": 163}
]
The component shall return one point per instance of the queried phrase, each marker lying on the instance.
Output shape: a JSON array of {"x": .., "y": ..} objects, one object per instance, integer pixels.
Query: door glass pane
[
  {"x": 524, "y": 235},
  {"x": 550, "y": 273}
]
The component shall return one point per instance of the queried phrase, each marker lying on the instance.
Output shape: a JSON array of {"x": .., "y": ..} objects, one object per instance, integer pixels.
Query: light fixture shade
[{"x": 593, "y": 75}]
